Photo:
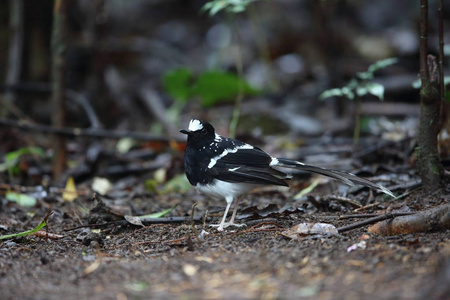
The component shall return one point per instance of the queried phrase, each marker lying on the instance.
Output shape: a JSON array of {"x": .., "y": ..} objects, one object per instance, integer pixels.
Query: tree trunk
[
  {"x": 59, "y": 44},
  {"x": 429, "y": 164}
]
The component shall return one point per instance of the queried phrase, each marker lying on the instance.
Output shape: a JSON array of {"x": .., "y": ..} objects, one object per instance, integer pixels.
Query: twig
[
  {"x": 154, "y": 104},
  {"x": 86, "y": 105},
  {"x": 193, "y": 223},
  {"x": 47, "y": 235},
  {"x": 37, "y": 189},
  {"x": 15, "y": 48},
  {"x": 408, "y": 185},
  {"x": 88, "y": 132},
  {"x": 366, "y": 206},
  {"x": 43, "y": 87},
  {"x": 145, "y": 221},
  {"x": 240, "y": 72},
  {"x": 344, "y": 200},
  {"x": 343, "y": 217},
  {"x": 371, "y": 221},
  {"x": 397, "y": 214}
]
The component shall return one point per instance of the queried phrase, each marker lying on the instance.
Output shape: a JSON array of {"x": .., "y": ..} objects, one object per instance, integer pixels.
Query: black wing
[{"x": 248, "y": 165}]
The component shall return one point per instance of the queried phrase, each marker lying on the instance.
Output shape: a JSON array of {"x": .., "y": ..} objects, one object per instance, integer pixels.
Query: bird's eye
[{"x": 203, "y": 130}]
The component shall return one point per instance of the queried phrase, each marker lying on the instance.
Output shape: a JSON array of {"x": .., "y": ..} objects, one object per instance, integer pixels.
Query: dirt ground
[{"x": 166, "y": 261}]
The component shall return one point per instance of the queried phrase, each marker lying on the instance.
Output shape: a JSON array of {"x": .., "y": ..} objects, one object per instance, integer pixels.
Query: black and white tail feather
[
  {"x": 227, "y": 168},
  {"x": 345, "y": 177}
]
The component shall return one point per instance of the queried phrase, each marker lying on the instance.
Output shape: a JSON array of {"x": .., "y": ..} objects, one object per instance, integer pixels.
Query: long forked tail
[{"x": 347, "y": 178}]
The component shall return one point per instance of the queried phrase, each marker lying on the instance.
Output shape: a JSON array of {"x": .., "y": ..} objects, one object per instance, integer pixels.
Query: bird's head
[{"x": 199, "y": 132}]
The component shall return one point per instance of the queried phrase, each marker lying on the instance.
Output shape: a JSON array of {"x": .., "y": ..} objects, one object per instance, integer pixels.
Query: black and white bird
[{"x": 227, "y": 168}]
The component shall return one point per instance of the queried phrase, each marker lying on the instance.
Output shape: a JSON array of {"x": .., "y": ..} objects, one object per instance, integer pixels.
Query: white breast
[{"x": 226, "y": 190}]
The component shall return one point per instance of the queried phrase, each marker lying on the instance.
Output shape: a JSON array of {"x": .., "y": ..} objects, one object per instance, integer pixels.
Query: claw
[{"x": 222, "y": 226}]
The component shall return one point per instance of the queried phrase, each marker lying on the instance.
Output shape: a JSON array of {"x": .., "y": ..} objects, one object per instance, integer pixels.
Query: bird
[{"x": 226, "y": 168}]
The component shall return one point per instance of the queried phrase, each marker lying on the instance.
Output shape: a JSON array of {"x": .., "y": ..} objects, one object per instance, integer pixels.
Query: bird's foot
[{"x": 222, "y": 226}]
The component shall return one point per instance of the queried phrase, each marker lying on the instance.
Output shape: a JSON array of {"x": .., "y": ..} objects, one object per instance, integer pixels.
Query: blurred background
[{"x": 151, "y": 65}]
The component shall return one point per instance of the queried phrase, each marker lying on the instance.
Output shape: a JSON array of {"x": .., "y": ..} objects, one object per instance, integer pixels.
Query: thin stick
[
  {"x": 15, "y": 48},
  {"x": 88, "y": 132},
  {"x": 240, "y": 73},
  {"x": 145, "y": 221},
  {"x": 193, "y": 223},
  {"x": 59, "y": 45},
  {"x": 441, "y": 60},
  {"x": 371, "y": 221},
  {"x": 342, "y": 217}
]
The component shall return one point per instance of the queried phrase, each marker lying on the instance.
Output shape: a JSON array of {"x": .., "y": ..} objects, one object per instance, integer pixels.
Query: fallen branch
[
  {"x": 437, "y": 218},
  {"x": 372, "y": 221}
]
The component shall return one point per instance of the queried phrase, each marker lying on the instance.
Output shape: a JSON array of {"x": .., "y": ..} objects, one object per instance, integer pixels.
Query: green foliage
[
  {"x": 177, "y": 83},
  {"x": 211, "y": 87},
  {"x": 21, "y": 199},
  {"x": 12, "y": 159},
  {"x": 24, "y": 233},
  {"x": 158, "y": 214},
  {"x": 178, "y": 184},
  {"x": 231, "y": 6},
  {"x": 216, "y": 86},
  {"x": 361, "y": 85}
]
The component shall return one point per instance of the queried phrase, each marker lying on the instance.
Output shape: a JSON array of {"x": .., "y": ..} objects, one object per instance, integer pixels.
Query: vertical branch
[
  {"x": 423, "y": 46},
  {"x": 357, "y": 130},
  {"x": 263, "y": 46},
  {"x": 58, "y": 84},
  {"x": 240, "y": 73},
  {"x": 441, "y": 59},
  {"x": 429, "y": 124},
  {"x": 15, "y": 50}
]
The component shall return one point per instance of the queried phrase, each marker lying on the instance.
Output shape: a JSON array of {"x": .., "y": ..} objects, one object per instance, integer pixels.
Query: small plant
[
  {"x": 359, "y": 86},
  {"x": 231, "y": 6},
  {"x": 11, "y": 159}
]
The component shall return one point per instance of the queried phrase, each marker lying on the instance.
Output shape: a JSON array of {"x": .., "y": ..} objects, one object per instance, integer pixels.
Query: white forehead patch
[{"x": 195, "y": 125}]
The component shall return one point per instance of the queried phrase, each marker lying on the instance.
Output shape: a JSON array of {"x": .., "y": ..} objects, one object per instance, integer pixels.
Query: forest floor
[{"x": 167, "y": 261}]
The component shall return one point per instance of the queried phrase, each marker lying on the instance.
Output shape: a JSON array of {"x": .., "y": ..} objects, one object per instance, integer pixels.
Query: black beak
[{"x": 184, "y": 131}]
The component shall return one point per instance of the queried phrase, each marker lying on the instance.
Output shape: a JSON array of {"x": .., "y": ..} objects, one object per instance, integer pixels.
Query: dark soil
[{"x": 166, "y": 261}]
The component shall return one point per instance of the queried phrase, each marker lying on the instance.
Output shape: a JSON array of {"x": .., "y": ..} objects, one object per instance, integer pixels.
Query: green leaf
[
  {"x": 361, "y": 91},
  {"x": 178, "y": 184},
  {"x": 233, "y": 6},
  {"x": 216, "y": 86},
  {"x": 12, "y": 158},
  {"x": 214, "y": 6},
  {"x": 24, "y": 233},
  {"x": 178, "y": 84},
  {"x": 381, "y": 64},
  {"x": 158, "y": 214},
  {"x": 308, "y": 189},
  {"x": 375, "y": 89},
  {"x": 348, "y": 93},
  {"x": 417, "y": 83},
  {"x": 364, "y": 75},
  {"x": 21, "y": 199},
  {"x": 330, "y": 93},
  {"x": 136, "y": 286}
]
